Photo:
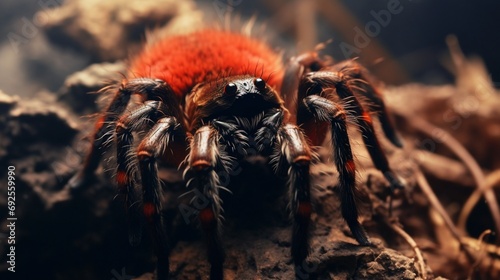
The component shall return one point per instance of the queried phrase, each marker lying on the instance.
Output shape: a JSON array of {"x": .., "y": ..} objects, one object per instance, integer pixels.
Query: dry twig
[
  {"x": 382, "y": 212},
  {"x": 413, "y": 245},
  {"x": 460, "y": 151},
  {"x": 434, "y": 201},
  {"x": 443, "y": 168},
  {"x": 482, "y": 252},
  {"x": 491, "y": 181}
]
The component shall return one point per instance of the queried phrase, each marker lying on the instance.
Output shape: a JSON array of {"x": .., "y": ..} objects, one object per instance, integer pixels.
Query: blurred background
[{"x": 407, "y": 46}]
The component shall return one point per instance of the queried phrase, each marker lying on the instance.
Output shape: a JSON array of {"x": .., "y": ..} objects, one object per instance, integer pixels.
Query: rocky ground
[{"x": 83, "y": 234}]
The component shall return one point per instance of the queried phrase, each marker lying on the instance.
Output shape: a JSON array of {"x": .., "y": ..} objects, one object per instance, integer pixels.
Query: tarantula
[{"x": 214, "y": 94}]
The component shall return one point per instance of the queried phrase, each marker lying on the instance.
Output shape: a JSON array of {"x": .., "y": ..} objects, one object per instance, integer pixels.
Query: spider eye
[
  {"x": 259, "y": 83},
  {"x": 230, "y": 88}
]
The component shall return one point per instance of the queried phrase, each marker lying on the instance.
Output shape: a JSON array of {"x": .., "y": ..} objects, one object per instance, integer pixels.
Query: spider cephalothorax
[
  {"x": 232, "y": 96},
  {"x": 212, "y": 95}
]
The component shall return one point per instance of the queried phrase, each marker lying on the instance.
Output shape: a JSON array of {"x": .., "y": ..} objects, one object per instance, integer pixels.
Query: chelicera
[{"x": 207, "y": 97}]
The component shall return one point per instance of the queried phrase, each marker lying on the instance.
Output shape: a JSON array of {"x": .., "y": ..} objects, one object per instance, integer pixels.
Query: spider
[{"x": 213, "y": 94}]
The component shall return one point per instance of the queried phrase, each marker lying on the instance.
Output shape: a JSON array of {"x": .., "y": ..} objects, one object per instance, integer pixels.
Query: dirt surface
[{"x": 63, "y": 234}]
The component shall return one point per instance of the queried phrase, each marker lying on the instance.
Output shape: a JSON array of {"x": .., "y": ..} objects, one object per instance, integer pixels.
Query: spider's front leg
[
  {"x": 205, "y": 160},
  {"x": 152, "y": 147},
  {"x": 297, "y": 154}
]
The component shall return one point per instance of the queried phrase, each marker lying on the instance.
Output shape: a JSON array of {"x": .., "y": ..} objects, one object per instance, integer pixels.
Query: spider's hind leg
[
  {"x": 316, "y": 82},
  {"x": 151, "y": 89},
  {"x": 160, "y": 103},
  {"x": 360, "y": 76},
  {"x": 127, "y": 171},
  {"x": 327, "y": 111}
]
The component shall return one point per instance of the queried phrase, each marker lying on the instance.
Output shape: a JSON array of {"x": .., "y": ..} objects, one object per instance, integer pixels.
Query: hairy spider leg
[
  {"x": 204, "y": 162},
  {"x": 315, "y": 115},
  {"x": 149, "y": 150},
  {"x": 149, "y": 89},
  {"x": 359, "y": 75},
  {"x": 127, "y": 177},
  {"x": 102, "y": 134},
  {"x": 295, "y": 69},
  {"x": 298, "y": 156},
  {"x": 317, "y": 82},
  {"x": 126, "y": 172},
  {"x": 327, "y": 111},
  {"x": 160, "y": 104}
]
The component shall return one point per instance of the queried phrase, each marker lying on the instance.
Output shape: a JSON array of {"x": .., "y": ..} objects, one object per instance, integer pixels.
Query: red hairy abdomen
[{"x": 184, "y": 61}]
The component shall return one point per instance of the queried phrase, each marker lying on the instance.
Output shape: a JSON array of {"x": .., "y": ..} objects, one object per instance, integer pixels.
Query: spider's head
[
  {"x": 247, "y": 95},
  {"x": 239, "y": 96}
]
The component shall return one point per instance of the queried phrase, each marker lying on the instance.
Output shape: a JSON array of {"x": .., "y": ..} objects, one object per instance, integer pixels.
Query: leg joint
[
  {"x": 298, "y": 150},
  {"x": 121, "y": 127},
  {"x": 145, "y": 155}
]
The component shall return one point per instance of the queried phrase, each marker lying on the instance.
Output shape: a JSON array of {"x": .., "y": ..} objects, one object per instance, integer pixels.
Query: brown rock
[{"x": 110, "y": 30}]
